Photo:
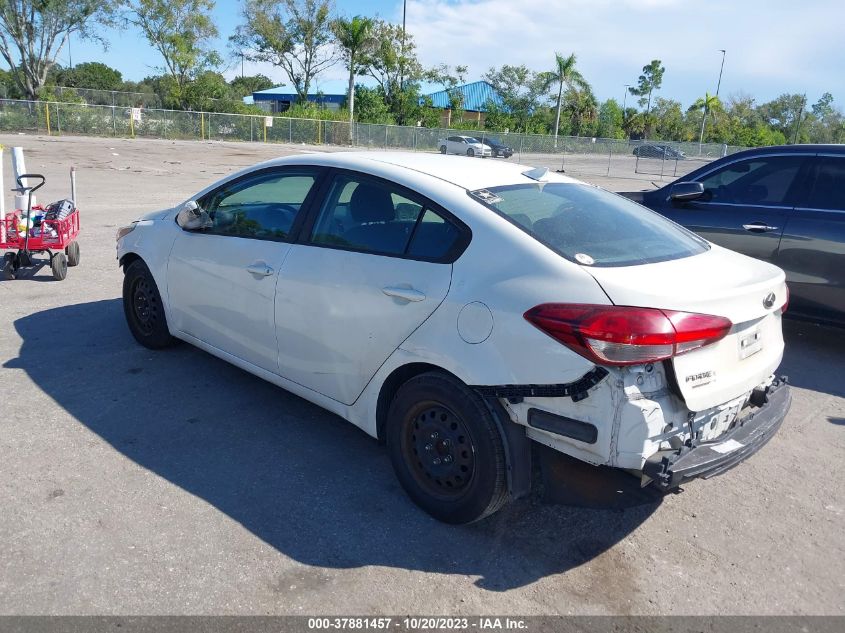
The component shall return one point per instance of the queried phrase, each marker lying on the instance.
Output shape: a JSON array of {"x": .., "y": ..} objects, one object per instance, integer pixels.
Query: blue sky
[{"x": 773, "y": 46}]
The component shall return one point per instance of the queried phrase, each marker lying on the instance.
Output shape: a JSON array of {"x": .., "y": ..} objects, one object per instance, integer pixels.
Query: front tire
[
  {"x": 470, "y": 152},
  {"x": 58, "y": 264},
  {"x": 446, "y": 449},
  {"x": 143, "y": 307}
]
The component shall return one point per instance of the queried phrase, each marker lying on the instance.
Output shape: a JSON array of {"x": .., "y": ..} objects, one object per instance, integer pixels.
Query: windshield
[
  {"x": 591, "y": 226},
  {"x": 470, "y": 139}
]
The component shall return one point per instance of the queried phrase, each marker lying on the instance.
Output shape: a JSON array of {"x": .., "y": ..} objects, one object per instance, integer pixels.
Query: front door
[
  {"x": 222, "y": 279},
  {"x": 745, "y": 205},
  {"x": 375, "y": 266}
]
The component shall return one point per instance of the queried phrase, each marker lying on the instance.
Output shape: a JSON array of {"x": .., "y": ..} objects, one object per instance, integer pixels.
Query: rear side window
[
  {"x": 372, "y": 216},
  {"x": 765, "y": 180},
  {"x": 591, "y": 226},
  {"x": 829, "y": 188}
]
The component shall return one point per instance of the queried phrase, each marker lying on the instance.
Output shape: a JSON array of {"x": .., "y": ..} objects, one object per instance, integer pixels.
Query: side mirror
[
  {"x": 686, "y": 191},
  {"x": 192, "y": 217}
]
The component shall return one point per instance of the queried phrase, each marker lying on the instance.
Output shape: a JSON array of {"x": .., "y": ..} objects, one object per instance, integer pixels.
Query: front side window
[
  {"x": 591, "y": 226},
  {"x": 371, "y": 216},
  {"x": 829, "y": 189},
  {"x": 764, "y": 181},
  {"x": 263, "y": 206}
]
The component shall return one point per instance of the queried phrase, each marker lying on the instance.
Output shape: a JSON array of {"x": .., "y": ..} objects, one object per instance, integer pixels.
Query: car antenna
[{"x": 540, "y": 174}]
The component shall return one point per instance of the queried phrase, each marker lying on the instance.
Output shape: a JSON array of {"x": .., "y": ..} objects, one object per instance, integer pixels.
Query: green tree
[
  {"x": 451, "y": 82},
  {"x": 706, "y": 104},
  {"x": 355, "y": 39},
  {"x": 245, "y": 86},
  {"x": 93, "y": 75},
  {"x": 581, "y": 106},
  {"x": 392, "y": 62},
  {"x": 520, "y": 90},
  {"x": 610, "y": 120},
  {"x": 34, "y": 32},
  {"x": 372, "y": 107},
  {"x": 294, "y": 35},
  {"x": 648, "y": 82},
  {"x": 566, "y": 77},
  {"x": 669, "y": 120},
  {"x": 181, "y": 31}
]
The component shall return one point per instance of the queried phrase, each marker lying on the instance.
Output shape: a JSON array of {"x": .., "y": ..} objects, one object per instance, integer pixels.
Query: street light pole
[
  {"x": 624, "y": 101},
  {"x": 402, "y": 52},
  {"x": 719, "y": 85}
]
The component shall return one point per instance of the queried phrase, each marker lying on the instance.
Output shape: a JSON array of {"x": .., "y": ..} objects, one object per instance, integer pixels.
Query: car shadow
[
  {"x": 303, "y": 480},
  {"x": 837, "y": 421},
  {"x": 814, "y": 357}
]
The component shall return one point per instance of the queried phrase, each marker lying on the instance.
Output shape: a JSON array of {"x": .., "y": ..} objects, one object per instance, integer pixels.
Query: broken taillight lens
[{"x": 622, "y": 335}]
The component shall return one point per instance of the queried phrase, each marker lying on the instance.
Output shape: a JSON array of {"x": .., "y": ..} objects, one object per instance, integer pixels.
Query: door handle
[
  {"x": 759, "y": 227},
  {"x": 408, "y": 294},
  {"x": 260, "y": 268}
]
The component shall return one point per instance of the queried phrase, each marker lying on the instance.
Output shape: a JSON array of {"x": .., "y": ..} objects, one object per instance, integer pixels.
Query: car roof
[
  {"x": 468, "y": 173},
  {"x": 806, "y": 148}
]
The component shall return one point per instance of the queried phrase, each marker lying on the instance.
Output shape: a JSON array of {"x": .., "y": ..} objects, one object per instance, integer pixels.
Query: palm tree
[
  {"x": 354, "y": 36},
  {"x": 707, "y": 103},
  {"x": 564, "y": 76}
]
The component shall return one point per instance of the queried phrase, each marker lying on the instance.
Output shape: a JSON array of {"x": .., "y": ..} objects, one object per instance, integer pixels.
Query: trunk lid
[{"x": 719, "y": 282}]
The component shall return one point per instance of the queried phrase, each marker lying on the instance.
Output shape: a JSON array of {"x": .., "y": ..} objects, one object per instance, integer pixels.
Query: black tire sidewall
[
  {"x": 58, "y": 264},
  {"x": 160, "y": 336},
  {"x": 73, "y": 254},
  {"x": 488, "y": 488}
]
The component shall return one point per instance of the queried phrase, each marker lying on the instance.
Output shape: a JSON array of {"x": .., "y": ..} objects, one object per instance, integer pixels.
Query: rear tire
[
  {"x": 73, "y": 254},
  {"x": 446, "y": 449},
  {"x": 58, "y": 264},
  {"x": 442, "y": 149},
  {"x": 143, "y": 307}
]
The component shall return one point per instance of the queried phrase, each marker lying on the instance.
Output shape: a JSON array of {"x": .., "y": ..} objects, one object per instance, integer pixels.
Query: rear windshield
[{"x": 591, "y": 226}]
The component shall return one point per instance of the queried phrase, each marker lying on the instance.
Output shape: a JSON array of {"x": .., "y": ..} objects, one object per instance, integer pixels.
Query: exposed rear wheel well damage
[
  {"x": 128, "y": 259},
  {"x": 391, "y": 385}
]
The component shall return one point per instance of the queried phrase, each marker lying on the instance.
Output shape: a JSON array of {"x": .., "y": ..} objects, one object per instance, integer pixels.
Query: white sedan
[
  {"x": 467, "y": 145},
  {"x": 462, "y": 312}
]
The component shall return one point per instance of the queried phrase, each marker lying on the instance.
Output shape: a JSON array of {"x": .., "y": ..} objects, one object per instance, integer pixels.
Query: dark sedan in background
[
  {"x": 656, "y": 150},
  {"x": 498, "y": 146},
  {"x": 784, "y": 205}
]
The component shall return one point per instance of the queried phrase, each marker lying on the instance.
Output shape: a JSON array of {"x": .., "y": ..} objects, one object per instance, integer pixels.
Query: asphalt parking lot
[{"x": 134, "y": 482}]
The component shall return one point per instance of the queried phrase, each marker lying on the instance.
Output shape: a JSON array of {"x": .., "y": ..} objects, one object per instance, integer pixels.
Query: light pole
[
  {"x": 719, "y": 85},
  {"x": 624, "y": 101},
  {"x": 402, "y": 50}
]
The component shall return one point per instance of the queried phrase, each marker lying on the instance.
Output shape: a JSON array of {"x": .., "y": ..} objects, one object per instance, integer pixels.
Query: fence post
[
  {"x": 113, "y": 122},
  {"x": 609, "y": 156},
  {"x": 290, "y": 131},
  {"x": 47, "y": 117},
  {"x": 165, "y": 123},
  {"x": 58, "y": 120},
  {"x": 385, "y": 137},
  {"x": 521, "y": 143}
]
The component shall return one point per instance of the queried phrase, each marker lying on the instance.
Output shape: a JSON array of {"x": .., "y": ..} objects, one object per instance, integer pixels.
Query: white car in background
[
  {"x": 462, "y": 312},
  {"x": 466, "y": 145}
]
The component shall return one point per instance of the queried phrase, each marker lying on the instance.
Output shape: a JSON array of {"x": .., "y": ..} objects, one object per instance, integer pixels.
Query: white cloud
[{"x": 773, "y": 47}]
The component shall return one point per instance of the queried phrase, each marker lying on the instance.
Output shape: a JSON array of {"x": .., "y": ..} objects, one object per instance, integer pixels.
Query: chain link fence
[{"x": 577, "y": 155}]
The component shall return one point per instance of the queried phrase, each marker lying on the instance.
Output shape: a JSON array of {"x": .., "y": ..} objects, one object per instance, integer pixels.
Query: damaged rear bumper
[{"x": 670, "y": 468}]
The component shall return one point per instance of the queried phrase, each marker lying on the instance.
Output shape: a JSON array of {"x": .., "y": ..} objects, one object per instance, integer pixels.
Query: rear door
[
  {"x": 375, "y": 263},
  {"x": 746, "y": 204},
  {"x": 222, "y": 280},
  {"x": 812, "y": 249}
]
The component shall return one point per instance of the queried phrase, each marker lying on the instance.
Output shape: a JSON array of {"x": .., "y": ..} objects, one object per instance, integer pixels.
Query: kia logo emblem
[{"x": 769, "y": 301}]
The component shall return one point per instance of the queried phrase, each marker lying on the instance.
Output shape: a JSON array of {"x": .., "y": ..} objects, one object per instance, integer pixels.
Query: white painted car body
[
  {"x": 461, "y": 144},
  {"x": 321, "y": 325}
]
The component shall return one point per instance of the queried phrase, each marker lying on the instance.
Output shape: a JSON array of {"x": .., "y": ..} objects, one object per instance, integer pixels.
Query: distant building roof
[
  {"x": 278, "y": 94},
  {"x": 476, "y": 96}
]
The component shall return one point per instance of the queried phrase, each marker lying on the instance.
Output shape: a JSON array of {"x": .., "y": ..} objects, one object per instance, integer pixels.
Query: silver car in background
[{"x": 466, "y": 145}]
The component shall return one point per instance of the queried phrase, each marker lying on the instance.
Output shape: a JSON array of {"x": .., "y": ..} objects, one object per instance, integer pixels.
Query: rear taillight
[{"x": 621, "y": 335}]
